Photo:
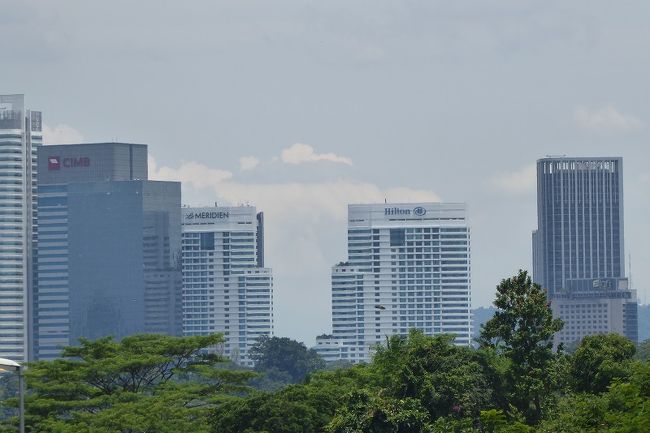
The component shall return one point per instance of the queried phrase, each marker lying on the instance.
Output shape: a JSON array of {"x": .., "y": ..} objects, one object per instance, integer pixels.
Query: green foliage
[
  {"x": 625, "y": 407},
  {"x": 445, "y": 379},
  {"x": 302, "y": 408},
  {"x": 522, "y": 331},
  {"x": 363, "y": 411},
  {"x": 643, "y": 351},
  {"x": 599, "y": 361},
  {"x": 283, "y": 357},
  {"x": 495, "y": 421},
  {"x": 129, "y": 386},
  {"x": 514, "y": 383}
]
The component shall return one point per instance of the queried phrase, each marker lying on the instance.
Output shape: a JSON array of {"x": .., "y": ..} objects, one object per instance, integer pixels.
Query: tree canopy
[
  {"x": 514, "y": 382},
  {"x": 284, "y": 356}
]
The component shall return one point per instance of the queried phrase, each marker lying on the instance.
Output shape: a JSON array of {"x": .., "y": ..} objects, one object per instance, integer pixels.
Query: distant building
[
  {"x": 109, "y": 247},
  {"x": 225, "y": 286},
  {"x": 20, "y": 135},
  {"x": 604, "y": 306},
  {"x": 408, "y": 267},
  {"x": 330, "y": 348},
  {"x": 578, "y": 254}
]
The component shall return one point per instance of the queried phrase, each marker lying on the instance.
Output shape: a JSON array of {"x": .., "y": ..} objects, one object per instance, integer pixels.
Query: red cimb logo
[{"x": 53, "y": 163}]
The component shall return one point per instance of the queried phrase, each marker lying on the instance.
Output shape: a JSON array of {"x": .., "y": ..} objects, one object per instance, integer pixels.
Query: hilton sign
[
  {"x": 56, "y": 162},
  {"x": 418, "y": 211}
]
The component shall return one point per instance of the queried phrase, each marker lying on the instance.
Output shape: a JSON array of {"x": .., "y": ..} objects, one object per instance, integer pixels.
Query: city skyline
[
  {"x": 72, "y": 167},
  {"x": 333, "y": 103}
]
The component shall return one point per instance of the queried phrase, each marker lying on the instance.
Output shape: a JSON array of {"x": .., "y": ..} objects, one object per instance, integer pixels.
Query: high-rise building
[
  {"x": 20, "y": 136},
  {"x": 109, "y": 247},
  {"x": 578, "y": 254},
  {"x": 225, "y": 285},
  {"x": 408, "y": 267}
]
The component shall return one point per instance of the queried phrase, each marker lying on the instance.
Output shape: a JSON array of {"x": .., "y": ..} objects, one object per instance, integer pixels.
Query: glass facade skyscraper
[
  {"x": 109, "y": 247},
  {"x": 578, "y": 247},
  {"x": 20, "y": 136},
  {"x": 408, "y": 267},
  {"x": 225, "y": 285}
]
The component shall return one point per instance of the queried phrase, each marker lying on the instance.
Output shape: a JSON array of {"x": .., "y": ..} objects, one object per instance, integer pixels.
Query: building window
[
  {"x": 397, "y": 237},
  {"x": 207, "y": 241}
]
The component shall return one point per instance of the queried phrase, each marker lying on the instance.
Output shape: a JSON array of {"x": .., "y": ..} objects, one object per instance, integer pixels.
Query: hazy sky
[{"x": 302, "y": 107}]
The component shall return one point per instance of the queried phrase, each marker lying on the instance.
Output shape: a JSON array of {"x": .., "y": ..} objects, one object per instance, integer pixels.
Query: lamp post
[{"x": 9, "y": 365}]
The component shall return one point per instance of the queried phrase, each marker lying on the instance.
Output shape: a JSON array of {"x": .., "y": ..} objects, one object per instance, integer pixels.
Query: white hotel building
[
  {"x": 408, "y": 267},
  {"x": 225, "y": 285}
]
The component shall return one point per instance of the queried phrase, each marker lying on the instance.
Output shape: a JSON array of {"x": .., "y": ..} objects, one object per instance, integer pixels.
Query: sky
[{"x": 301, "y": 107}]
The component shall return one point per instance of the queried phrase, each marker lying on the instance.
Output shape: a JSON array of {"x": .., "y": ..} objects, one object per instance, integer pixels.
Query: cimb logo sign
[
  {"x": 395, "y": 211},
  {"x": 56, "y": 162},
  {"x": 206, "y": 215}
]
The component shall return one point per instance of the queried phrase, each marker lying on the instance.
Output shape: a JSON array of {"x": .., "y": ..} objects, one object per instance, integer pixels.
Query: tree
[
  {"x": 522, "y": 330},
  {"x": 444, "y": 378},
  {"x": 624, "y": 407},
  {"x": 302, "y": 408},
  {"x": 142, "y": 383},
  {"x": 363, "y": 411},
  {"x": 599, "y": 361},
  {"x": 643, "y": 351},
  {"x": 285, "y": 355}
]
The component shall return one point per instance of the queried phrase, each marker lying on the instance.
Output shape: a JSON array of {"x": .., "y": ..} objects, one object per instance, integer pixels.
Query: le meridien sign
[
  {"x": 417, "y": 211},
  {"x": 207, "y": 215},
  {"x": 56, "y": 162}
]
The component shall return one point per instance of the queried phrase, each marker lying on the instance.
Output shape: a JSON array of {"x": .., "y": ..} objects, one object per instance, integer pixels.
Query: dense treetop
[{"x": 514, "y": 382}]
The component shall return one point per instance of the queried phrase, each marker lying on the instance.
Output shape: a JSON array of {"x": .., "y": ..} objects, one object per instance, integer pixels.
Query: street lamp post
[{"x": 9, "y": 365}]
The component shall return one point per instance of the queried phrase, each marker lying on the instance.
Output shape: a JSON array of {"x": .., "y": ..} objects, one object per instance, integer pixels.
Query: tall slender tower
[
  {"x": 578, "y": 249},
  {"x": 20, "y": 135}
]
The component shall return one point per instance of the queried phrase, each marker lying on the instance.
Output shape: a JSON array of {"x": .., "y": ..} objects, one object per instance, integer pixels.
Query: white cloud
[
  {"x": 316, "y": 200},
  {"x": 193, "y": 173},
  {"x": 61, "y": 134},
  {"x": 248, "y": 163},
  {"x": 516, "y": 182},
  {"x": 300, "y": 153},
  {"x": 606, "y": 118}
]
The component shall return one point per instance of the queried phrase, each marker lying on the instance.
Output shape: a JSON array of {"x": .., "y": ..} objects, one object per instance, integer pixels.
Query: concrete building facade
[
  {"x": 408, "y": 266},
  {"x": 109, "y": 247},
  {"x": 578, "y": 247},
  {"x": 226, "y": 288},
  {"x": 20, "y": 136}
]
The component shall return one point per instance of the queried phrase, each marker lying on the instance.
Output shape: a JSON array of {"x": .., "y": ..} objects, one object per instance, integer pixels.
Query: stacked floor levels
[
  {"x": 408, "y": 267},
  {"x": 226, "y": 289}
]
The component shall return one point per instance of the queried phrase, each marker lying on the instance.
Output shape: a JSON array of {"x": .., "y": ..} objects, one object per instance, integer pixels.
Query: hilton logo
[{"x": 417, "y": 211}]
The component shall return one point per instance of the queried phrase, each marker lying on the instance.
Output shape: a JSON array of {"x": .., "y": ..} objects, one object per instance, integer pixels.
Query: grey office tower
[
  {"x": 578, "y": 254},
  {"x": 109, "y": 249},
  {"x": 20, "y": 135}
]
